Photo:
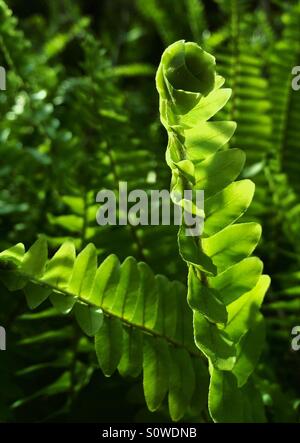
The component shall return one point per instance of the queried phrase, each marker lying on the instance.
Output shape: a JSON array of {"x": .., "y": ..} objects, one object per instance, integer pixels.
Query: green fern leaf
[
  {"x": 225, "y": 286},
  {"x": 139, "y": 320}
]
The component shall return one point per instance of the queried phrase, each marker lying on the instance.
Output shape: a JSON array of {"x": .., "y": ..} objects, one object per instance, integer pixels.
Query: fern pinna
[
  {"x": 225, "y": 285},
  {"x": 141, "y": 322}
]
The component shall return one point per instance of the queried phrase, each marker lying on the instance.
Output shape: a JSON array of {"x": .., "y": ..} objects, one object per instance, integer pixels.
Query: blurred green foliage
[{"x": 80, "y": 114}]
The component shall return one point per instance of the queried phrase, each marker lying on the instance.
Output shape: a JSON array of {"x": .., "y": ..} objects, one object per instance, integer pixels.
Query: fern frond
[
  {"x": 240, "y": 63},
  {"x": 285, "y": 100},
  {"x": 140, "y": 321},
  {"x": 225, "y": 285}
]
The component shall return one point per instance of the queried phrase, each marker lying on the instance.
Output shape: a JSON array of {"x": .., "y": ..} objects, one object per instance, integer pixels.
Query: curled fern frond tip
[{"x": 186, "y": 73}]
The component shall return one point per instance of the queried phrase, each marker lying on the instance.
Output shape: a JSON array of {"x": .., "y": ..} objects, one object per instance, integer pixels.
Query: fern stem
[{"x": 108, "y": 313}]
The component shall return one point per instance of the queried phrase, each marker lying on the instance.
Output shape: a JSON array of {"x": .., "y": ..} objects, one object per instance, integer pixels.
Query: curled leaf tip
[{"x": 186, "y": 73}]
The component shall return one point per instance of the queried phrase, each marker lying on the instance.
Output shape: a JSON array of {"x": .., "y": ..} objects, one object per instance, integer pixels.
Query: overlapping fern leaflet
[
  {"x": 225, "y": 284},
  {"x": 140, "y": 321}
]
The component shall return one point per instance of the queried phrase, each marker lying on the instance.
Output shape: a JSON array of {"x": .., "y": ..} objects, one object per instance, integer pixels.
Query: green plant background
[{"x": 81, "y": 113}]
